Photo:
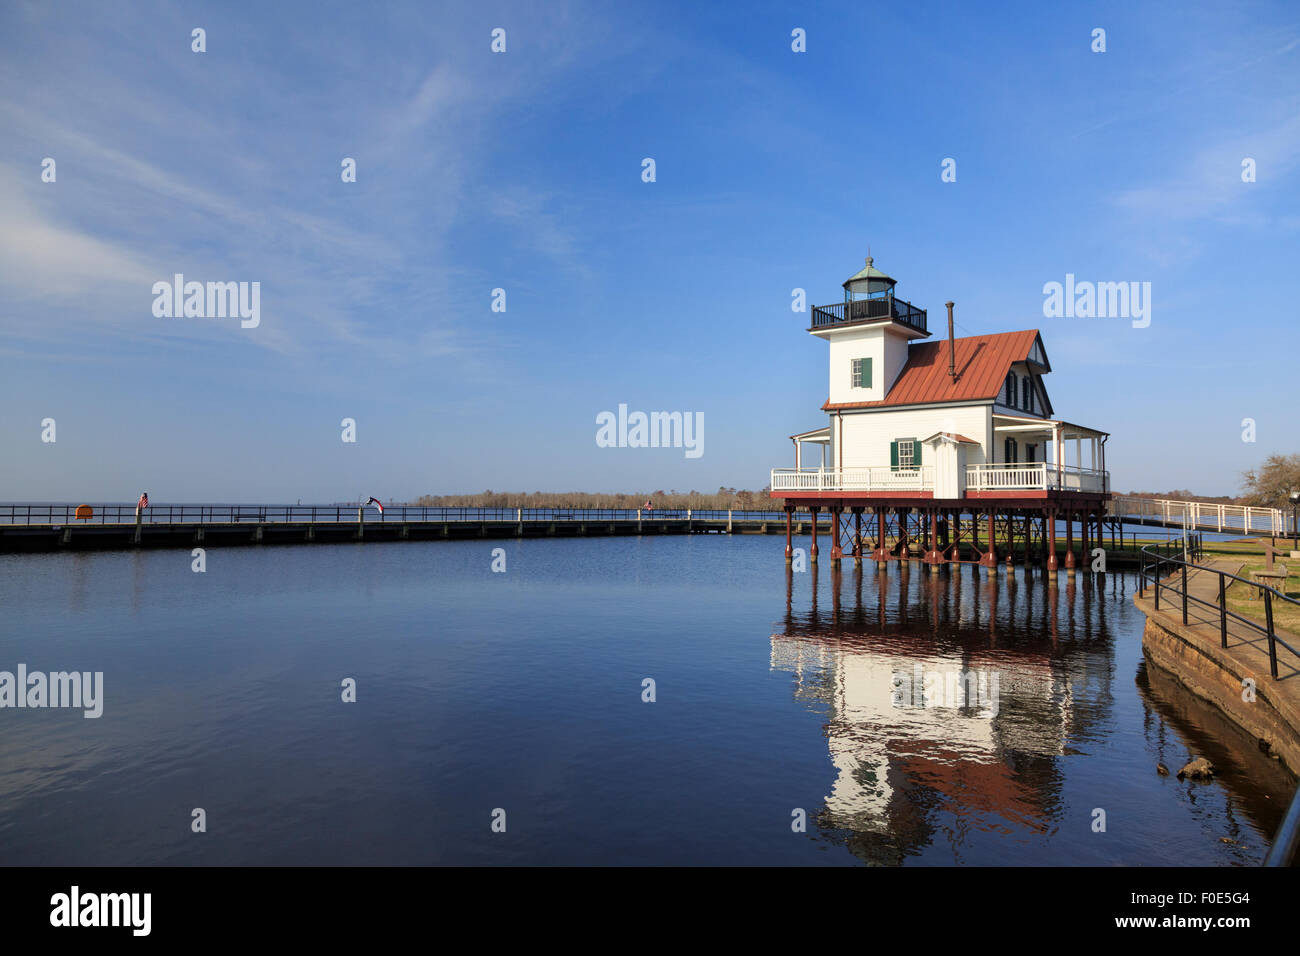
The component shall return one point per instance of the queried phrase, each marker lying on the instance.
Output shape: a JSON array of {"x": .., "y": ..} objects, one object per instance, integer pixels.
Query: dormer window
[{"x": 861, "y": 375}]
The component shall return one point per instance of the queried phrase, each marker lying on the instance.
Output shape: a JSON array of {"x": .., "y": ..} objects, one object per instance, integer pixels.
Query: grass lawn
[{"x": 1286, "y": 616}]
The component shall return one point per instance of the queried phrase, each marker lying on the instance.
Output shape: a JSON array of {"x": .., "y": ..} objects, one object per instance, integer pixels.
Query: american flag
[
  {"x": 143, "y": 502},
  {"x": 376, "y": 502}
]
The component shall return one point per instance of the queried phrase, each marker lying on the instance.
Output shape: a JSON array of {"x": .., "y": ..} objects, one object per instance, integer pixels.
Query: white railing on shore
[
  {"x": 881, "y": 478},
  {"x": 1203, "y": 515}
]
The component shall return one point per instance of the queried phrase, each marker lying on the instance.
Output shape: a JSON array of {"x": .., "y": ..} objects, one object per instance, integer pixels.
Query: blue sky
[{"x": 522, "y": 171}]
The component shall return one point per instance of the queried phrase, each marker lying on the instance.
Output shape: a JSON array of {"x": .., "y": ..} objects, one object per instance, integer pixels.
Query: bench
[{"x": 1274, "y": 578}]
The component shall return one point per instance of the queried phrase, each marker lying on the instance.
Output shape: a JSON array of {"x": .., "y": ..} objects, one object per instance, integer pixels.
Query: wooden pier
[
  {"x": 58, "y": 527},
  {"x": 115, "y": 526}
]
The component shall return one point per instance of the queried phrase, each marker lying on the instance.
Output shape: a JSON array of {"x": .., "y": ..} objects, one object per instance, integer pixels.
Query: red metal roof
[{"x": 982, "y": 363}]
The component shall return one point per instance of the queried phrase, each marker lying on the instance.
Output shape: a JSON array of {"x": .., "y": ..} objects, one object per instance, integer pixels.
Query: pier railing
[
  {"x": 1172, "y": 558},
  {"x": 197, "y": 514}
]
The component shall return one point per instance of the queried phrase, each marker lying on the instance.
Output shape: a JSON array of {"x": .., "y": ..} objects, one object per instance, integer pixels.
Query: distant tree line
[
  {"x": 722, "y": 499},
  {"x": 1182, "y": 494},
  {"x": 1268, "y": 486}
]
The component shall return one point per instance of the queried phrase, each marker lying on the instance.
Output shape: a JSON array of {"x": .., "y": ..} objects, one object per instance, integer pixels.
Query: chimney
[{"x": 952, "y": 348}]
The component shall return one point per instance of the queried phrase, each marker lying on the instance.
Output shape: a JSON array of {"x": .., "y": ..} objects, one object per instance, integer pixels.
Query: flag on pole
[
  {"x": 143, "y": 502},
  {"x": 377, "y": 503}
]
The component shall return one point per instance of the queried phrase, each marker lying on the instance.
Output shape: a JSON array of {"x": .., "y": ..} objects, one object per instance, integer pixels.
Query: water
[{"x": 523, "y": 691}]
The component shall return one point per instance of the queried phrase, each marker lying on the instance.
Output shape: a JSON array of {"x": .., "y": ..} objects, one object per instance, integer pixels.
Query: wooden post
[
  {"x": 1049, "y": 539},
  {"x": 1085, "y": 537},
  {"x": 789, "y": 549},
  {"x": 857, "y": 537},
  {"x": 813, "y": 552},
  {"x": 990, "y": 559},
  {"x": 1069, "y": 543},
  {"x": 837, "y": 552},
  {"x": 932, "y": 539},
  {"x": 361, "y": 524}
]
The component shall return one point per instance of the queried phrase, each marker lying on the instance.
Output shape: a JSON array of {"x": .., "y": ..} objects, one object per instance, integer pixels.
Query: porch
[{"x": 980, "y": 479}]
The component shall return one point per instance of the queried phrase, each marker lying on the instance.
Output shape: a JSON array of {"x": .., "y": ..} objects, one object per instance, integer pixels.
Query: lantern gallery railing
[
  {"x": 864, "y": 310},
  {"x": 1032, "y": 476}
]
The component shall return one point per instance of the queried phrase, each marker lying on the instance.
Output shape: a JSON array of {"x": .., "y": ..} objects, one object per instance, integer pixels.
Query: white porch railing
[
  {"x": 1070, "y": 478},
  {"x": 853, "y": 479},
  {"x": 1007, "y": 477},
  {"x": 1024, "y": 476},
  {"x": 1034, "y": 476}
]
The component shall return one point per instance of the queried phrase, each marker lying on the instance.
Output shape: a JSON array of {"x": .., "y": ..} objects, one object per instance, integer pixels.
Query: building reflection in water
[{"x": 948, "y": 698}]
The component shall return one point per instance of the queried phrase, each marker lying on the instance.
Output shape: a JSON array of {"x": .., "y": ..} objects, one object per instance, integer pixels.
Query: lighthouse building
[{"x": 934, "y": 429}]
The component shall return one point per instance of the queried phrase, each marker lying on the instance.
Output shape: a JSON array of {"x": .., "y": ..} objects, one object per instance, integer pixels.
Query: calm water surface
[{"x": 523, "y": 691}]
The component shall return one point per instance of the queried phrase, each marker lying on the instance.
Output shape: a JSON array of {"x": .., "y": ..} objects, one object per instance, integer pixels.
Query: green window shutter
[
  {"x": 893, "y": 456},
  {"x": 866, "y": 373},
  {"x": 916, "y": 453}
]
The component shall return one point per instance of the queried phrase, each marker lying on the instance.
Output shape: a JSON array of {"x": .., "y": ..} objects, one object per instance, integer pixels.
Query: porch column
[{"x": 1058, "y": 443}]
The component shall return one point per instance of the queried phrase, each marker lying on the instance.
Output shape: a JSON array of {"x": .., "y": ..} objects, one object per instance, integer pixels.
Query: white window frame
[{"x": 855, "y": 374}]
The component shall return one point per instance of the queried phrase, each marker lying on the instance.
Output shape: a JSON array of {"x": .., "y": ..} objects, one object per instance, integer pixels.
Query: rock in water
[{"x": 1198, "y": 769}]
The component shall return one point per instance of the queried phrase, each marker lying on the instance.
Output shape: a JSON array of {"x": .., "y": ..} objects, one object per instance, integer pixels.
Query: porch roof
[
  {"x": 1024, "y": 423},
  {"x": 822, "y": 435}
]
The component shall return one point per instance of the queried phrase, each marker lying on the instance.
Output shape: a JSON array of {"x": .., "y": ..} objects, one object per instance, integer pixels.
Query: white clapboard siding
[{"x": 867, "y": 436}]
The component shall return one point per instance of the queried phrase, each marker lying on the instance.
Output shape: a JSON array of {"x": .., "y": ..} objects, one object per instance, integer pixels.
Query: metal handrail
[
  {"x": 1287, "y": 837},
  {"x": 1158, "y": 561}
]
